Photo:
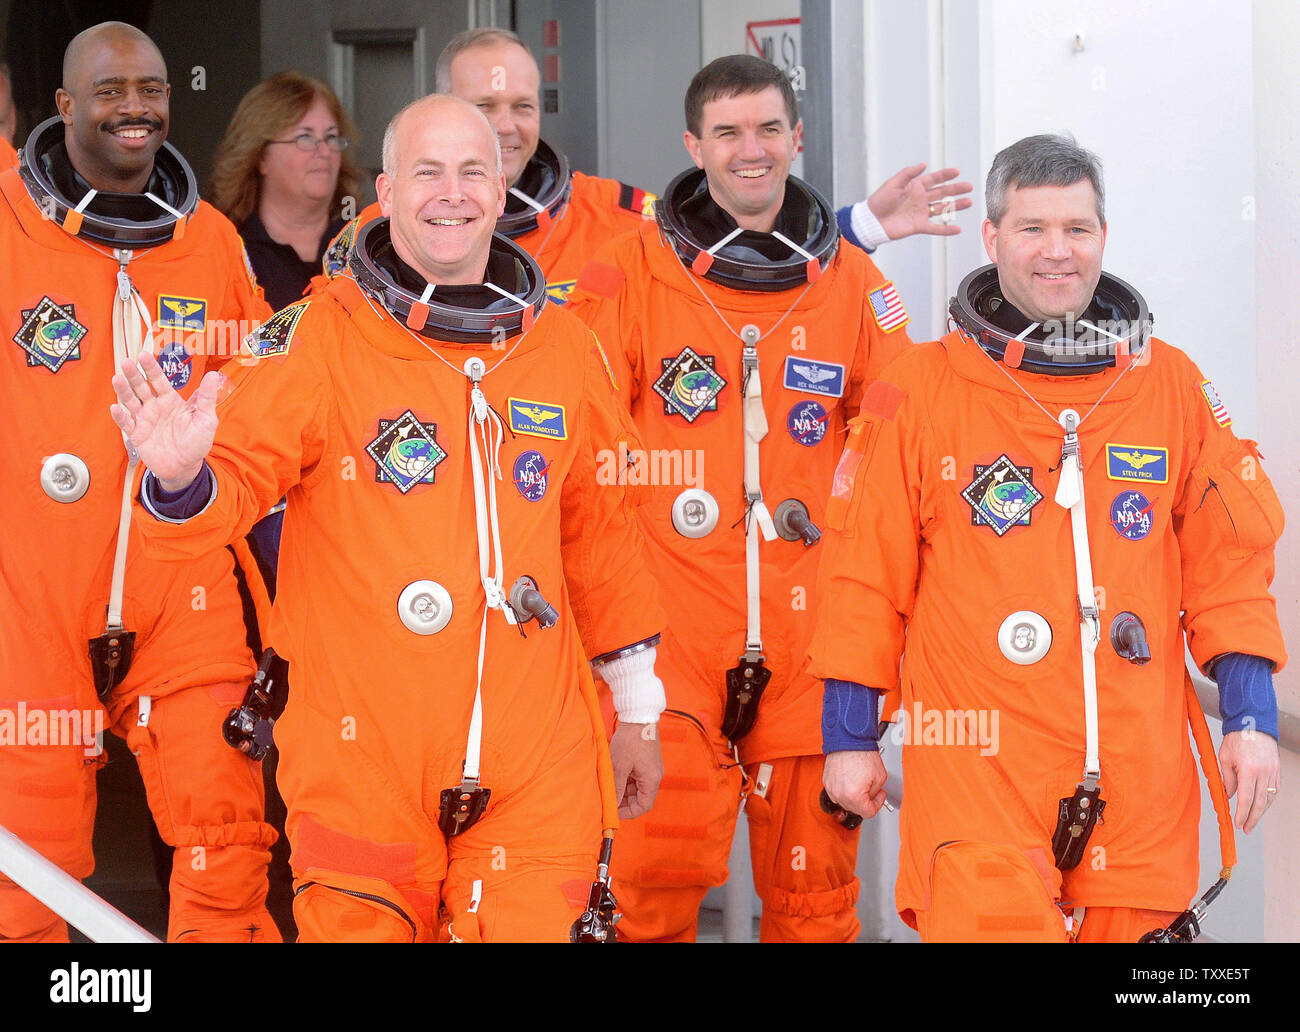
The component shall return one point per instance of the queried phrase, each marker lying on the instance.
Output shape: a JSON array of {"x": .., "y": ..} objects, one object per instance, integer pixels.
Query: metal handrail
[{"x": 63, "y": 894}]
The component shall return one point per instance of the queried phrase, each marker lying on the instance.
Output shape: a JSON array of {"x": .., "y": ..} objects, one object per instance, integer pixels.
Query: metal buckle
[
  {"x": 110, "y": 659},
  {"x": 1075, "y": 820},
  {"x": 459, "y": 809},
  {"x": 745, "y": 684}
]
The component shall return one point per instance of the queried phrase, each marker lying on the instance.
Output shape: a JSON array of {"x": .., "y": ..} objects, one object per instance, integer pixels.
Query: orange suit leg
[
  {"x": 665, "y": 861},
  {"x": 532, "y": 858},
  {"x": 804, "y": 860},
  {"x": 1122, "y": 924},
  {"x": 371, "y": 865},
  {"x": 207, "y": 800},
  {"x": 47, "y": 799}
]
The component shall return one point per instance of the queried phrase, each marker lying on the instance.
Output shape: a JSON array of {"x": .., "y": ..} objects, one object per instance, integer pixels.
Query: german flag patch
[{"x": 637, "y": 201}]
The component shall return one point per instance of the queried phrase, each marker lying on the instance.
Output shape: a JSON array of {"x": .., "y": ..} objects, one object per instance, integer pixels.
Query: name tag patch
[
  {"x": 810, "y": 376},
  {"x": 182, "y": 313},
  {"x": 1133, "y": 462},
  {"x": 537, "y": 418},
  {"x": 559, "y": 292}
]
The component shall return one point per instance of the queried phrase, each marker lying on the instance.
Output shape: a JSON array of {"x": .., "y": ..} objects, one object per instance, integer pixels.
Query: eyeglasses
[{"x": 309, "y": 142}]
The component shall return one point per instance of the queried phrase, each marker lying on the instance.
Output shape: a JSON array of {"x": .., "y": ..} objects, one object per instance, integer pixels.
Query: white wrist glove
[
  {"x": 866, "y": 227},
  {"x": 638, "y": 693}
]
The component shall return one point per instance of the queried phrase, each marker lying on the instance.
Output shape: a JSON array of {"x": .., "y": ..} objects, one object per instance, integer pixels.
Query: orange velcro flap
[{"x": 601, "y": 279}]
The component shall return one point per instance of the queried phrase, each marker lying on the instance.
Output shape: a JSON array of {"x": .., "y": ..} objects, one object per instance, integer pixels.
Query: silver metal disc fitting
[
  {"x": 1025, "y": 637},
  {"x": 65, "y": 477},
  {"x": 424, "y": 606},
  {"x": 695, "y": 513}
]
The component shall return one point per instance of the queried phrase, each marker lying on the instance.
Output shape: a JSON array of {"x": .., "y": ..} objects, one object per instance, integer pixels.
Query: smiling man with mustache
[
  {"x": 107, "y": 251},
  {"x": 114, "y": 105}
]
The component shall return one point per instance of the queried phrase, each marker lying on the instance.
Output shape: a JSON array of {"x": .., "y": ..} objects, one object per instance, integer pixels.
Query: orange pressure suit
[
  {"x": 825, "y": 346},
  {"x": 944, "y": 524},
  {"x": 190, "y": 662},
  {"x": 364, "y": 425},
  {"x": 597, "y": 211}
]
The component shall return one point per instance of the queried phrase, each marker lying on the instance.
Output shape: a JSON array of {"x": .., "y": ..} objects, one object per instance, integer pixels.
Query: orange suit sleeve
[
  {"x": 1228, "y": 519},
  {"x": 872, "y": 545},
  {"x": 614, "y": 597}
]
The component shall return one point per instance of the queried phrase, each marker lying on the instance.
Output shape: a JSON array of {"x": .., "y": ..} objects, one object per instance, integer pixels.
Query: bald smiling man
[{"x": 444, "y": 582}]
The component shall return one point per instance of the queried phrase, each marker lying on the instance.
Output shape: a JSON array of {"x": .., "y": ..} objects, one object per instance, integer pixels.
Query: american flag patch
[
  {"x": 887, "y": 307},
  {"x": 1216, "y": 404}
]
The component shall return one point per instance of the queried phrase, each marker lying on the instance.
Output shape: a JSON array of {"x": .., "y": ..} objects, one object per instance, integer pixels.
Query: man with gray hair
[
  {"x": 1038, "y": 514},
  {"x": 558, "y": 215}
]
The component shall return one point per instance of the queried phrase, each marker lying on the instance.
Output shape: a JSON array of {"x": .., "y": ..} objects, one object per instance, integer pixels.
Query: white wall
[
  {"x": 1162, "y": 92},
  {"x": 1277, "y": 271}
]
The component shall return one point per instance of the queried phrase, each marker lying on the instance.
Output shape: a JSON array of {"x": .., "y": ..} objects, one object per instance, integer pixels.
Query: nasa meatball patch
[
  {"x": 689, "y": 384},
  {"x": 530, "y": 475},
  {"x": 50, "y": 334},
  {"x": 406, "y": 452},
  {"x": 1002, "y": 495},
  {"x": 807, "y": 423},
  {"x": 177, "y": 364},
  {"x": 1131, "y": 515}
]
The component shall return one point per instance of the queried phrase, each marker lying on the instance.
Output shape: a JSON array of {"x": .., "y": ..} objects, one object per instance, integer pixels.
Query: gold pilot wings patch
[
  {"x": 538, "y": 418},
  {"x": 183, "y": 313},
  {"x": 1134, "y": 462}
]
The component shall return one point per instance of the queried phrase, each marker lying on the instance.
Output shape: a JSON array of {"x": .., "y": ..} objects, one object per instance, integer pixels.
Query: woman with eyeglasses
[{"x": 280, "y": 176}]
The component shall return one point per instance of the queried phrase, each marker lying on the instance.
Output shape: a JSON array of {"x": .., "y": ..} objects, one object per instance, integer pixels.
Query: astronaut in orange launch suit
[
  {"x": 1036, "y": 513},
  {"x": 104, "y": 242},
  {"x": 743, "y": 335},
  {"x": 559, "y": 216},
  {"x": 451, "y": 558}
]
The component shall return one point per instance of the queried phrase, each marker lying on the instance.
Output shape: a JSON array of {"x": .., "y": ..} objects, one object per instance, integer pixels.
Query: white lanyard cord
[
  {"x": 757, "y": 518},
  {"x": 485, "y": 436},
  {"x": 128, "y": 341},
  {"x": 1069, "y": 495},
  {"x": 486, "y": 431}
]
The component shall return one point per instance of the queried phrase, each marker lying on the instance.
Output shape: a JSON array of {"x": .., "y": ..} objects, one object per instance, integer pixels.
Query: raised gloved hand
[
  {"x": 905, "y": 202},
  {"x": 171, "y": 435}
]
